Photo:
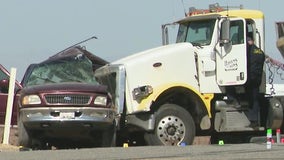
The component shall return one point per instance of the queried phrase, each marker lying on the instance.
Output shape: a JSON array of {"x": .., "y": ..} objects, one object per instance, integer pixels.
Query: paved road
[{"x": 196, "y": 152}]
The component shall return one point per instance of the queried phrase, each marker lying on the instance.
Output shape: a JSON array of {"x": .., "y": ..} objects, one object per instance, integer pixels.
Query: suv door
[{"x": 4, "y": 85}]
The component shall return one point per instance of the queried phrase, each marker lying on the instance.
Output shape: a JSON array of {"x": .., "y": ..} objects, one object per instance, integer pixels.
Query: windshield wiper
[
  {"x": 196, "y": 44},
  {"x": 34, "y": 80},
  {"x": 68, "y": 77},
  {"x": 46, "y": 79}
]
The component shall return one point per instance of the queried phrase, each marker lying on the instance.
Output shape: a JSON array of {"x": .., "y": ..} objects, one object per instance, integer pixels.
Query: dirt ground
[{"x": 13, "y": 140}]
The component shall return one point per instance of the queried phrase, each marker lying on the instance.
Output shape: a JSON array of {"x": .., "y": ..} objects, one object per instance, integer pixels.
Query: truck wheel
[
  {"x": 174, "y": 125},
  {"x": 24, "y": 139},
  {"x": 109, "y": 137}
]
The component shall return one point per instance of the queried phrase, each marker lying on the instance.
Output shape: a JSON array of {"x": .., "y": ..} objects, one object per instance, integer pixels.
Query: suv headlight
[
  {"x": 100, "y": 100},
  {"x": 31, "y": 99}
]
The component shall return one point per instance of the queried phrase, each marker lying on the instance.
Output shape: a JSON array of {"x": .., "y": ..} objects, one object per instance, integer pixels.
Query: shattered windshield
[
  {"x": 70, "y": 69},
  {"x": 196, "y": 32}
]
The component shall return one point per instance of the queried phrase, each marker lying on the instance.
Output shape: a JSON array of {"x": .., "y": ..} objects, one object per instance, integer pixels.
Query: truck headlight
[
  {"x": 142, "y": 92},
  {"x": 31, "y": 99},
  {"x": 100, "y": 100}
]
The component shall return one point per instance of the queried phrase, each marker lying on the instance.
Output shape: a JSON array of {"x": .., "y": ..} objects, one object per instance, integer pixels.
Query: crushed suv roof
[
  {"x": 74, "y": 52},
  {"x": 70, "y": 65}
]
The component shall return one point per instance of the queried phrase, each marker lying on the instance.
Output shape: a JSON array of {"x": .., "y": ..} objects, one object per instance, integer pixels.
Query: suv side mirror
[
  {"x": 225, "y": 32},
  {"x": 4, "y": 85}
]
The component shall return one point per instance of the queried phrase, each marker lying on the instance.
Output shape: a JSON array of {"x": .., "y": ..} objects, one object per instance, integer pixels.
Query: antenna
[
  {"x": 93, "y": 37},
  {"x": 183, "y": 8},
  {"x": 227, "y": 9}
]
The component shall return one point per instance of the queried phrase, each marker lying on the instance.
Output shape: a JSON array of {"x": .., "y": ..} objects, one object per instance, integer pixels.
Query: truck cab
[{"x": 177, "y": 91}]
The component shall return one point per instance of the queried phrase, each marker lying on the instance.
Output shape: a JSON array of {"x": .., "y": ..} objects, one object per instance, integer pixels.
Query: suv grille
[{"x": 67, "y": 99}]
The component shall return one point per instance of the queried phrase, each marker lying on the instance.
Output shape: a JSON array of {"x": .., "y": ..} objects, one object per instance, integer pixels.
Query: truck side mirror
[
  {"x": 225, "y": 32},
  {"x": 165, "y": 34}
]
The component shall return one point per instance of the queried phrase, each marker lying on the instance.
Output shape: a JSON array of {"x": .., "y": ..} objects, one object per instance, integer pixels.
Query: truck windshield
[
  {"x": 198, "y": 33},
  {"x": 63, "y": 70}
]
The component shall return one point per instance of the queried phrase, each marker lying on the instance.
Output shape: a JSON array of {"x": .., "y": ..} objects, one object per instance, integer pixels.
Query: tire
[
  {"x": 24, "y": 139},
  {"x": 174, "y": 125},
  {"x": 109, "y": 137}
]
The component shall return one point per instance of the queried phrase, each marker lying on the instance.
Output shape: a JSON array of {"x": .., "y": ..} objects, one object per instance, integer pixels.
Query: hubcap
[{"x": 171, "y": 130}]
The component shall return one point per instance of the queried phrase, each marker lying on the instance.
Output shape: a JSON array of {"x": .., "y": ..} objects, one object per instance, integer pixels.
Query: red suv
[
  {"x": 4, "y": 83},
  {"x": 61, "y": 103}
]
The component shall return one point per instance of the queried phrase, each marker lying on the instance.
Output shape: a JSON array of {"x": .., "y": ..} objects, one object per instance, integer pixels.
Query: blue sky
[{"x": 33, "y": 30}]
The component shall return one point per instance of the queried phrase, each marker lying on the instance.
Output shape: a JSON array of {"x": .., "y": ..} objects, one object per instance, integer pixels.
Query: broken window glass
[{"x": 68, "y": 69}]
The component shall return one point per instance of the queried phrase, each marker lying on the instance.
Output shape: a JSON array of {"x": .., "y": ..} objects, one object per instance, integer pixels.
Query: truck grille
[{"x": 67, "y": 99}]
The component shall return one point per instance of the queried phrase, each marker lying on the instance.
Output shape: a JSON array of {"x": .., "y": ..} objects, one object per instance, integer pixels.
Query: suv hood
[{"x": 65, "y": 87}]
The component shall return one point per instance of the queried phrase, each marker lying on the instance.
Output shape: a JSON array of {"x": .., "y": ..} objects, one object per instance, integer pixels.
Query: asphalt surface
[{"x": 195, "y": 152}]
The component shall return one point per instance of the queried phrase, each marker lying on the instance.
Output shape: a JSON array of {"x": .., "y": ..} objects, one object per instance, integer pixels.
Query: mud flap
[{"x": 275, "y": 114}]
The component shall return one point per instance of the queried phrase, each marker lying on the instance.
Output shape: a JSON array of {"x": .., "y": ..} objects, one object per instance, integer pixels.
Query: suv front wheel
[
  {"x": 109, "y": 137},
  {"x": 23, "y": 136}
]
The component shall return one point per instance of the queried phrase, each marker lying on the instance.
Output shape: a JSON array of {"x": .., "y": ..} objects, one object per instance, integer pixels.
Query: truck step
[
  {"x": 233, "y": 120},
  {"x": 224, "y": 105}
]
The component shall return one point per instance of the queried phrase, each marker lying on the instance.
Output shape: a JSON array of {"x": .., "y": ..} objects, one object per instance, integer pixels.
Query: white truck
[{"x": 177, "y": 91}]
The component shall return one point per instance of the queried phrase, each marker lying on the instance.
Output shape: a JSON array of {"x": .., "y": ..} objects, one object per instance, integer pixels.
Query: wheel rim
[{"x": 171, "y": 130}]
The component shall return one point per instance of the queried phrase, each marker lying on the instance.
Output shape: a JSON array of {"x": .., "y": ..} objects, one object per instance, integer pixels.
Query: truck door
[{"x": 231, "y": 57}]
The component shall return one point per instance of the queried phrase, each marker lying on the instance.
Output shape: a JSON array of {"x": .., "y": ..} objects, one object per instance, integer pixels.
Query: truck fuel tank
[{"x": 275, "y": 113}]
